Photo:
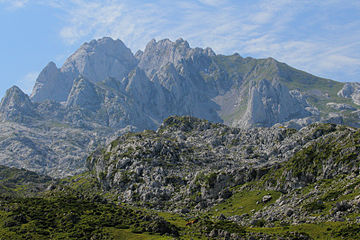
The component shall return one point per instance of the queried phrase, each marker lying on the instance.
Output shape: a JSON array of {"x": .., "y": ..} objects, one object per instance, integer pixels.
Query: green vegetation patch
[
  {"x": 70, "y": 217},
  {"x": 320, "y": 231},
  {"x": 245, "y": 201},
  {"x": 21, "y": 182}
]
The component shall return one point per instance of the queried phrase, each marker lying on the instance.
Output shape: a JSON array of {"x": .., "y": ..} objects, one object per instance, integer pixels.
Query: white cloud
[
  {"x": 338, "y": 62},
  {"x": 14, "y": 4},
  {"x": 300, "y": 33},
  {"x": 28, "y": 81},
  {"x": 213, "y": 2}
]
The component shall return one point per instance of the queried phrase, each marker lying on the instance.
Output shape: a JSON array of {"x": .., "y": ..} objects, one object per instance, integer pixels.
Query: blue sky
[{"x": 320, "y": 37}]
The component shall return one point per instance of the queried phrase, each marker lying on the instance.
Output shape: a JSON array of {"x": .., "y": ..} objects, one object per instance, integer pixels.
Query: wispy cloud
[
  {"x": 213, "y": 2},
  {"x": 316, "y": 36},
  {"x": 14, "y": 4}
]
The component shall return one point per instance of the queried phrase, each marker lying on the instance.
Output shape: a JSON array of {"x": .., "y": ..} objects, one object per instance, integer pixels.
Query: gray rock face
[
  {"x": 51, "y": 84},
  {"x": 84, "y": 94},
  {"x": 351, "y": 90},
  {"x": 96, "y": 61},
  {"x": 158, "y": 54},
  {"x": 346, "y": 91},
  {"x": 341, "y": 106},
  {"x": 16, "y": 106},
  {"x": 272, "y": 102},
  {"x": 192, "y": 162},
  {"x": 52, "y": 148},
  {"x": 100, "y": 59}
]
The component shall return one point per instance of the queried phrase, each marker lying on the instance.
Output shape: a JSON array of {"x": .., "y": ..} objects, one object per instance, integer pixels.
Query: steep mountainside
[{"x": 103, "y": 90}]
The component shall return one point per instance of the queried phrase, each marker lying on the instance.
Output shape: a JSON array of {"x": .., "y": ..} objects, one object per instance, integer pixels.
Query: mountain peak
[
  {"x": 96, "y": 60},
  {"x": 16, "y": 105},
  {"x": 106, "y": 43},
  {"x": 183, "y": 42},
  {"x": 51, "y": 65},
  {"x": 14, "y": 89},
  {"x": 158, "y": 54},
  {"x": 100, "y": 59},
  {"x": 104, "y": 40},
  {"x": 49, "y": 84},
  {"x": 14, "y": 94}
]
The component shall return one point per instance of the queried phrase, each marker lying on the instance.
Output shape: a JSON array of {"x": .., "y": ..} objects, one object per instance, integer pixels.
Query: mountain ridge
[{"x": 104, "y": 90}]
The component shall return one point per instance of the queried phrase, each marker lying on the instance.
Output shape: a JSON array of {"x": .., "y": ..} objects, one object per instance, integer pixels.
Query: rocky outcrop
[
  {"x": 272, "y": 102},
  {"x": 341, "y": 106},
  {"x": 53, "y": 148},
  {"x": 259, "y": 177},
  {"x": 191, "y": 162},
  {"x": 159, "y": 54},
  {"x": 16, "y": 106},
  {"x": 84, "y": 95},
  {"x": 351, "y": 90}
]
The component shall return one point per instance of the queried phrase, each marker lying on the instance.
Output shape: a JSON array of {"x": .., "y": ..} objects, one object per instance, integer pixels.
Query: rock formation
[{"x": 103, "y": 90}]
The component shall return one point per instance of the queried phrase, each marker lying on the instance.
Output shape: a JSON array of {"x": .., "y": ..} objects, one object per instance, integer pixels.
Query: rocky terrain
[
  {"x": 104, "y": 90},
  {"x": 185, "y": 153},
  {"x": 193, "y": 179},
  {"x": 277, "y": 178},
  {"x": 192, "y": 162}
]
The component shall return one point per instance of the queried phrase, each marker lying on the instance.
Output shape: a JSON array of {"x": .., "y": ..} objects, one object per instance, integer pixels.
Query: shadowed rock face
[
  {"x": 84, "y": 94},
  {"x": 51, "y": 84}
]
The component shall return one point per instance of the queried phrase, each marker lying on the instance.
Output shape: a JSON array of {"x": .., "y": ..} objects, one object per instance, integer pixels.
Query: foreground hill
[
  {"x": 104, "y": 90},
  {"x": 20, "y": 182}
]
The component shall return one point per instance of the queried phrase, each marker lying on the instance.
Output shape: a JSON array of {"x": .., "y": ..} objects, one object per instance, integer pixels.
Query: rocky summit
[{"x": 103, "y": 90}]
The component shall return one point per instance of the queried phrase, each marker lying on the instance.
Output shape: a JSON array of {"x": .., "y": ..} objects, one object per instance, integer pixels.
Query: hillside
[
  {"x": 20, "y": 182},
  {"x": 267, "y": 181},
  {"x": 192, "y": 179}
]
